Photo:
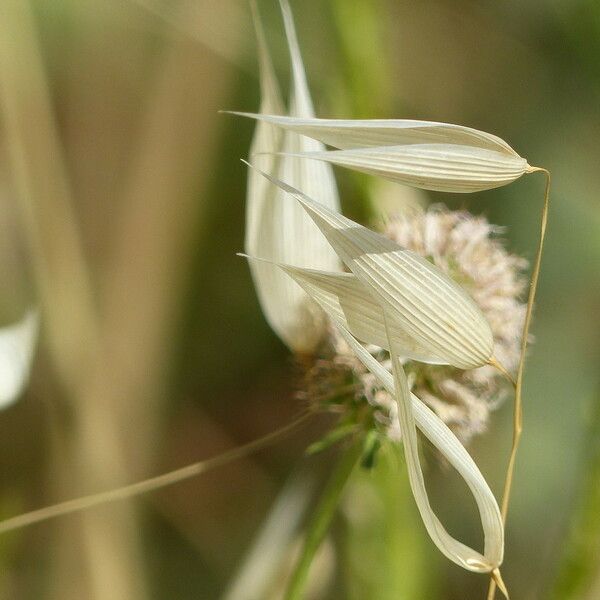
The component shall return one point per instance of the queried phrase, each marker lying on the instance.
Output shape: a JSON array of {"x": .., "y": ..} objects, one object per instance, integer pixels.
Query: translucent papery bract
[
  {"x": 431, "y": 308},
  {"x": 349, "y": 299},
  {"x": 361, "y": 133},
  {"x": 437, "y": 167},
  {"x": 424, "y": 154},
  {"x": 280, "y": 231},
  {"x": 17, "y": 346},
  {"x": 412, "y": 412}
]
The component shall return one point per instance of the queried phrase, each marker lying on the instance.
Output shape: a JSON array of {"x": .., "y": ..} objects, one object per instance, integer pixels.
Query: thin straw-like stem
[
  {"x": 494, "y": 363},
  {"x": 152, "y": 484},
  {"x": 518, "y": 405}
]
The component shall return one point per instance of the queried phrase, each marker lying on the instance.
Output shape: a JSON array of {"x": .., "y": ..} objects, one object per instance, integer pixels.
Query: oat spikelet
[{"x": 468, "y": 249}]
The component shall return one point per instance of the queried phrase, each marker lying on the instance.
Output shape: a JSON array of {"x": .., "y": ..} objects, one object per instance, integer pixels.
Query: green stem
[{"x": 321, "y": 520}]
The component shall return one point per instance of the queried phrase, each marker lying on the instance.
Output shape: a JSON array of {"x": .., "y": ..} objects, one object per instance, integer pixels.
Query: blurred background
[{"x": 121, "y": 212}]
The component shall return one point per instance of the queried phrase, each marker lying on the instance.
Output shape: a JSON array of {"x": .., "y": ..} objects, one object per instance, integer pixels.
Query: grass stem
[
  {"x": 321, "y": 520},
  {"x": 518, "y": 404},
  {"x": 152, "y": 484}
]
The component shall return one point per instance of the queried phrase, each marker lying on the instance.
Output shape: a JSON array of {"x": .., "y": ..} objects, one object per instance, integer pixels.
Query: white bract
[
  {"x": 281, "y": 231},
  {"x": 17, "y": 346},
  {"x": 423, "y": 154}
]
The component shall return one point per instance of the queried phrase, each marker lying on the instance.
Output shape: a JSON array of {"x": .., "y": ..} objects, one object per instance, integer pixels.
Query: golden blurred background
[{"x": 121, "y": 212}]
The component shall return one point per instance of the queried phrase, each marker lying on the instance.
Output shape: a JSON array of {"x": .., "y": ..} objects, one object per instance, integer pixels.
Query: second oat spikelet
[{"x": 469, "y": 250}]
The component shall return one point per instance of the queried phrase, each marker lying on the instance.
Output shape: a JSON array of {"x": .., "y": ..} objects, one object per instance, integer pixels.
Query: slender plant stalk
[
  {"x": 494, "y": 363},
  {"x": 321, "y": 520},
  {"x": 152, "y": 484},
  {"x": 518, "y": 405}
]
